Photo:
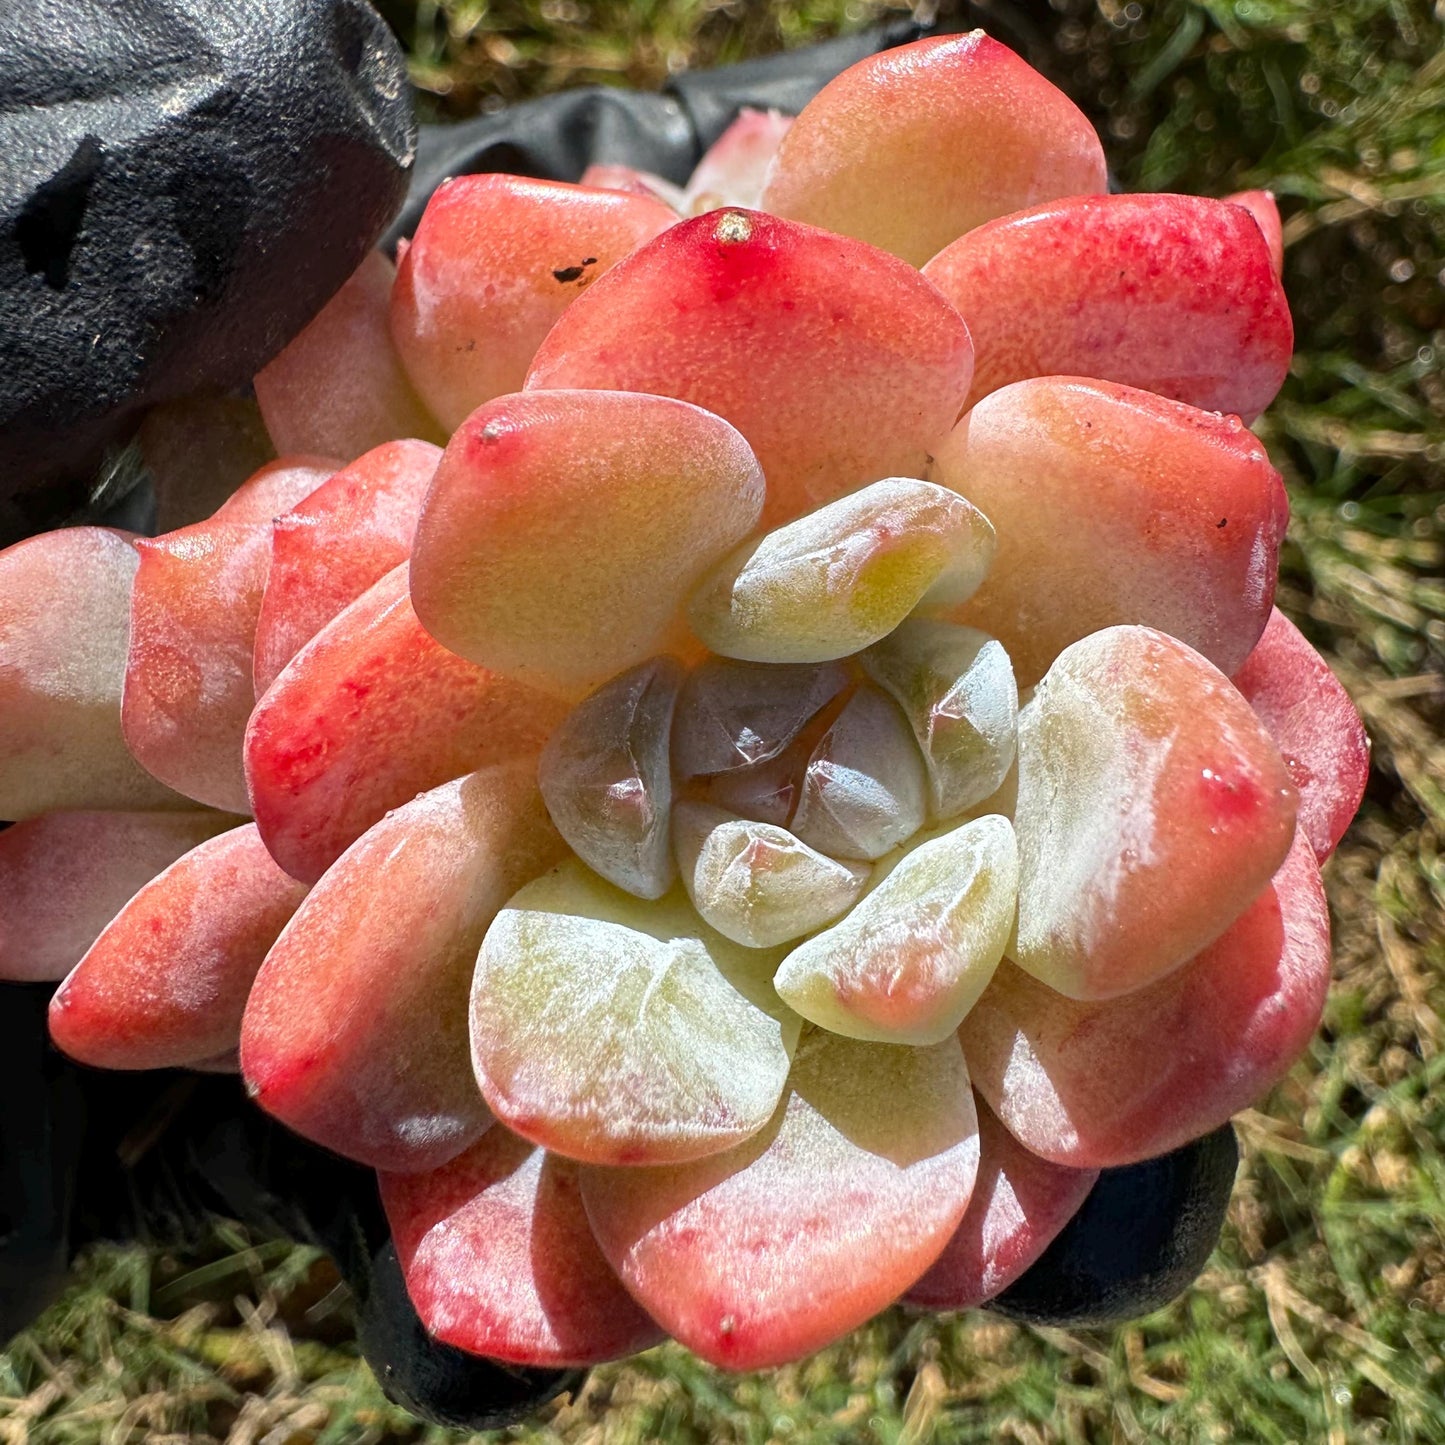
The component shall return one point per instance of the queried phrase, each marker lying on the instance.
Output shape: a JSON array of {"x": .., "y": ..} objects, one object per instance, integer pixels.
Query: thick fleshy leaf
[
  {"x": 1097, "y": 1084},
  {"x": 338, "y": 388},
  {"x": 1315, "y": 725},
  {"x": 275, "y": 488},
  {"x": 1020, "y": 1203},
  {"x": 356, "y": 1030},
  {"x": 912, "y": 958},
  {"x": 956, "y": 688},
  {"x": 912, "y": 147},
  {"x": 500, "y": 1261},
  {"x": 166, "y": 983},
  {"x": 606, "y": 777},
  {"x": 865, "y": 790},
  {"x": 831, "y": 583},
  {"x": 1114, "y": 505},
  {"x": 328, "y": 549},
  {"x": 496, "y": 259},
  {"x": 622, "y": 1032},
  {"x": 64, "y": 621},
  {"x": 604, "y": 176},
  {"x": 64, "y": 876},
  {"x": 767, "y": 1252},
  {"x": 864, "y": 367},
  {"x": 371, "y": 712},
  {"x": 757, "y": 883},
  {"x": 565, "y": 529},
  {"x": 1173, "y": 294},
  {"x": 188, "y": 683},
  {"x": 198, "y": 450},
  {"x": 734, "y": 715},
  {"x": 735, "y": 165},
  {"x": 193, "y": 620},
  {"x": 1261, "y": 205},
  {"x": 1152, "y": 808}
]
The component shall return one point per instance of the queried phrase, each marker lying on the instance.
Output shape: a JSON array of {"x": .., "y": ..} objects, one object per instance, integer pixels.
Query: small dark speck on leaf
[
  {"x": 574, "y": 273},
  {"x": 1222, "y": 522}
]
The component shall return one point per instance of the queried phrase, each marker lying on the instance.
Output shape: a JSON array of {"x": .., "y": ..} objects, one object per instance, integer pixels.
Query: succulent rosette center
[
  {"x": 808, "y": 775},
  {"x": 811, "y": 780}
]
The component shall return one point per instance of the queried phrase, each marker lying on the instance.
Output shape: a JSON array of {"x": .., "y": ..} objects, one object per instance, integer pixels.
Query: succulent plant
[{"x": 806, "y": 777}]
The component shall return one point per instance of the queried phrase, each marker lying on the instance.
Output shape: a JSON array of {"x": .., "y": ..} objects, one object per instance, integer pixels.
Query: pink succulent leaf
[
  {"x": 1114, "y": 505},
  {"x": 338, "y": 388},
  {"x": 371, "y": 712},
  {"x": 682, "y": 316},
  {"x": 773, "y": 1249},
  {"x": 734, "y": 167},
  {"x": 64, "y": 876},
  {"x": 165, "y": 984},
  {"x": 62, "y": 669},
  {"x": 1262, "y": 206},
  {"x": 863, "y": 157},
  {"x": 355, "y": 1032},
  {"x": 499, "y": 1259},
  {"x": 1091, "y": 1085},
  {"x": 332, "y": 545},
  {"x": 495, "y": 261},
  {"x": 604, "y": 176},
  {"x": 1316, "y": 726},
  {"x": 1019, "y": 1204},
  {"x": 1172, "y": 294}
]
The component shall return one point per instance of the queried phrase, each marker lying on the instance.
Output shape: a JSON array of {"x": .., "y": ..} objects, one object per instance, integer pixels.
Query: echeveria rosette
[{"x": 746, "y": 832}]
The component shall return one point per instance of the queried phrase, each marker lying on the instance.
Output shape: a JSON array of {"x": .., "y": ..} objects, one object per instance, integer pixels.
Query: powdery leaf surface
[
  {"x": 355, "y": 1034},
  {"x": 914, "y": 146},
  {"x": 496, "y": 259},
  {"x": 622, "y": 1032},
  {"x": 499, "y": 1259},
  {"x": 1092, "y": 1085},
  {"x": 1152, "y": 808},
  {"x": 910, "y": 960},
  {"x": 865, "y": 790},
  {"x": 734, "y": 715},
  {"x": 956, "y": 688},
  {"x": 565, "y": 529},
  {"x": 1019, "y": 1204},
  {"x": 757, "y": 883},
  {"x": 1315, "y": 725},
  {"x": 607, "y": 780},
  {"x": 1113, "y": 505},
  {"x": 830, "y": 583},
  {"x": 371, "y": 712},
  {"x": 274, "y": 488},
  {"x": 166, "y": 983},
  {"x": 64, "y": 876},
  {"x": 767, "y": 1252},
  {"x": 1172, "y": 294},
  {"x": 865, "y": 365}
]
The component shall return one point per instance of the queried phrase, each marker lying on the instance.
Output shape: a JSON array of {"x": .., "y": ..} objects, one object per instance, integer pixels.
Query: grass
[{"x": 1321, "y": 1316}]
